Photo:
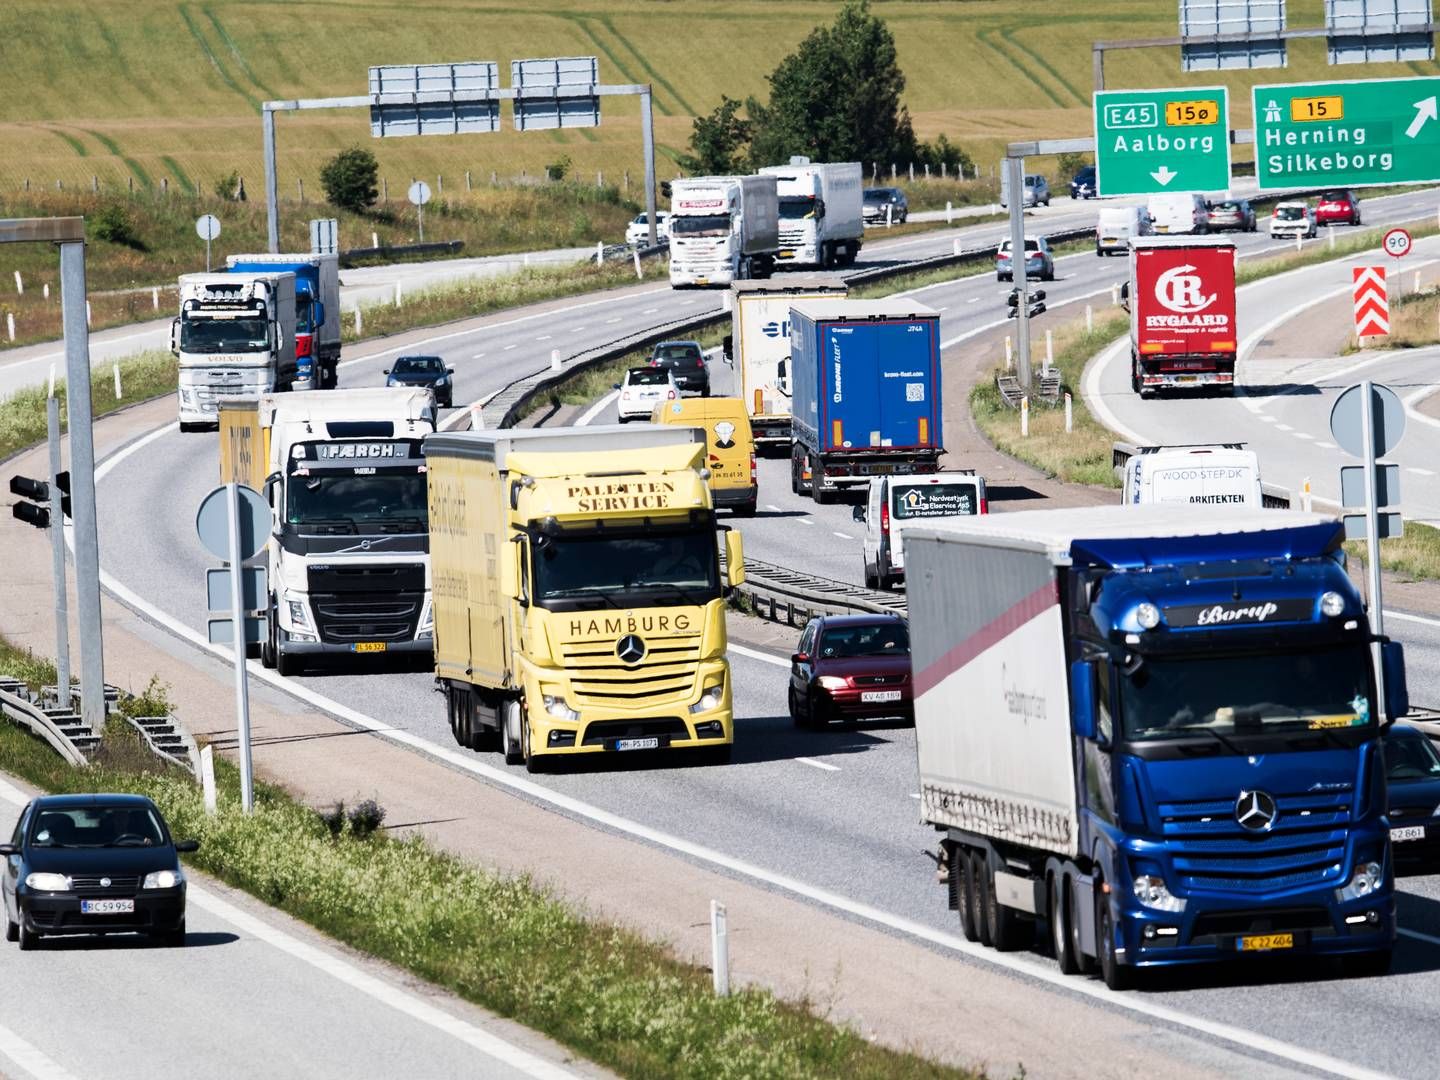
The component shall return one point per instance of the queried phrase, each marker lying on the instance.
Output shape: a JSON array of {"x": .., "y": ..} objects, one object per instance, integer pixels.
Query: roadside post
[
  {"x": 1015, "y": 182},
  {"x": 233, "y": 523},
  {"x": 419, "y": 195},
  {"x": 59, "y": 505},
  {"x": 208, "y": 228},
  {"x": 1367, "y": 421},
  {"x": 719, "y": 949}
]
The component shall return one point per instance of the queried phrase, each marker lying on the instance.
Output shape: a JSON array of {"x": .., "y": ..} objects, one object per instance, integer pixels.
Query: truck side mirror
[
  {"x": 271, "y": 483},
  {"x": 175, "y": 335},
  {"x": 727, "y": 346},
  {"x": 1082, "y": 699},
  {"x": 1397, "y": 695},
  {"x": 734, "y": 559},
  {"x": 317, "y": 314},
  {"x": 517, "y": 570},
  {"x": 858, "y": 513}
]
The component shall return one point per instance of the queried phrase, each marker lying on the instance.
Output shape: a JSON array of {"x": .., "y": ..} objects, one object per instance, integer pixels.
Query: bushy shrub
[{"x": 351, "y": 179}]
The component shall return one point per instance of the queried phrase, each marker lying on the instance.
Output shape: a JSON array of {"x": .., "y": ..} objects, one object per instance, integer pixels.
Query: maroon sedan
[
  {"x": 851, "y": 667},
  {"x": 1338, "y": 208}
]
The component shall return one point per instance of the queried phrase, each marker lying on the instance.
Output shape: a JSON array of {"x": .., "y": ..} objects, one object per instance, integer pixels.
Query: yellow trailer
[{"x": 579, "y": 597}]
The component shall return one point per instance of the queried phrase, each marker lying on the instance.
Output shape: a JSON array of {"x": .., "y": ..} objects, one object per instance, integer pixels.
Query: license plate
[
  {"x": 1185, "y": 378},
  {"x": 651, "y": 743},
  {"x": 880, "y": 695},
  {"x": 107, "y": 907},
  {"x": 1266, "y": 942},
  {"x": 1162, "y": 228},
  {"x": 369, "y": 646},
  {"x": 1407, "y": 832},
  {"x": 787, "y": 254}
]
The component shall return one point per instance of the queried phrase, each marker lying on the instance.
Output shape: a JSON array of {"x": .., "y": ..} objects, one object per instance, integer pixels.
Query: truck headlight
[
  {"x": 711, "y": 699},
  {"x": 41, "y": 882},
  {"x": 1332, "y": 604},
  {"x": 1368, "y": 877},
  {"x": 427, "y": 621},
  {"x": 558, "y": 709},
  {"x": 298, "y": 615},
  {"x": 1148, "y": 616},
  {"x": 1151, "y": 890},
  {"x": 162, "y": 879}
]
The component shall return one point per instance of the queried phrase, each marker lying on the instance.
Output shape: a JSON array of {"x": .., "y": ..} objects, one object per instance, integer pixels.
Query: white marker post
[
  {"x": 949, "y": 215},
  {"x": 207, "y": 777},
  {"x": 719, "y": 949},
  {"x": 155, "y": 298},
  {"x": 1024, "y": 417},
  {"x": 639, "y": 273},
  {"x": 19, "y": 283},
  {"x": 554, "y": 359},
  {"x": 1009, "y": 354},
  {"x": 1069, "y": 416},
  {"x": 599, "y": 252},
  {"x": 10, "y": 324},
  {"x": 359, "y": 320},
  {"x": 118, "y": 393},
  {"x": 397, "y": 293},
  {"x": 1089, "y": 319},
  {"x": 1049, "y": 349}
]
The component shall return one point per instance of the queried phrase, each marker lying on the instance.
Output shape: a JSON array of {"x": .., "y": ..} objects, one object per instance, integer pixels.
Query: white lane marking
[
  {"x": 914, "y": 794},
  {"x": 593, "y": 411},
  {"x": 650, "y": 311},
  {"x": 1416, "y": 414},
  {"x": 1283, "y": 427},
  {"x": 1323, "y": 445},
  {"x": 478, "y": 356},
  {"x": 818, "y": 764},
  {"x": 942, "y": 307},
  {"x": 806, "y": 521},
  {"x": 773, "y": 508},
  {"x": 1302, "y": 435},
  {"x": 609, "y": 321},
  {"x": 509, "y": 347},
  {"x": 756, "y": 654},
  {"x": 973, "y": 300},
  {"x": 544, "y": 337},
  {"x": 1267, "y": 418},
  {"x": 31, "y": 1058},
  {"x": 1035, "y": 969},
  {"x": 1413, "y": 468},
  {"x": 843, "y": 536}
]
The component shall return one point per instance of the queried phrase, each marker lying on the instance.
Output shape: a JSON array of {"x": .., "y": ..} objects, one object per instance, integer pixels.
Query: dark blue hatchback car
[
  {"x": 1412, "y": 774},
  {"x": 93, "y": 864}
]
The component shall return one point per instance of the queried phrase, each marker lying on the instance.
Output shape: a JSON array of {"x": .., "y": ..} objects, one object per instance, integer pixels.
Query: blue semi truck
[
  {"x": 317, "y": 312},
  {"x": 865, "y": 381},
  {"x": 1156, "y": 731}
]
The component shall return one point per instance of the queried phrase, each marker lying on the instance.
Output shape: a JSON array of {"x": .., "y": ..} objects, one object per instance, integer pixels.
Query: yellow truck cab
[
  {"x": 579, "y": 593},
  {"x": 729, "y": 447}
]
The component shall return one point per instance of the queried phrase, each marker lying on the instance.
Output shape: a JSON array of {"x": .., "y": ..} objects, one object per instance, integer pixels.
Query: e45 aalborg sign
[
  {"x": 1347, "y": 134},
  {"x": 1149, "y": 141}
]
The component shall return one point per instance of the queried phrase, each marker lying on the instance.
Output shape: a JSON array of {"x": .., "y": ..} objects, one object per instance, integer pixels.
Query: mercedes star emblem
[
  {"x": 630, "y": 649},
  {"x": 1256, "y": 810}
]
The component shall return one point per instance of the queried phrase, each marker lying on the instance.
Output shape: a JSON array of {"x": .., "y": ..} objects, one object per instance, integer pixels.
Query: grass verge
[
  {"x": 1415, "y": 556},
  {"x": 1356, "y": 243},
  {"x": 1414, "y": 323},
  {"x": 142, "y": 376},
  {"x": 503, "y": 943}
]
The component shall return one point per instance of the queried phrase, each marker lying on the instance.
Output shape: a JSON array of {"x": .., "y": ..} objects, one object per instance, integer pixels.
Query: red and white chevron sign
[{"x": 1372, "y": 305}]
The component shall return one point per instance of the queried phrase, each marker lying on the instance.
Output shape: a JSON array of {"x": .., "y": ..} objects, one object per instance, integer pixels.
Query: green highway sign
[
  {"x": 1149, "y": 141},
  {"x": 1347, "y": 134}
]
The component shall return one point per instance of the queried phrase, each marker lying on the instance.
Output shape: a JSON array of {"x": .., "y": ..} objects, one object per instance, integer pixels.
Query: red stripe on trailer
[{"x": 1037, "y": 603}]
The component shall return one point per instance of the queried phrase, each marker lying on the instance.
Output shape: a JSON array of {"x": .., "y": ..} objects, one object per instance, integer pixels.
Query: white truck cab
[
  {"x": 1220, "y": 474},
  {"x": 893, "y": 503}
]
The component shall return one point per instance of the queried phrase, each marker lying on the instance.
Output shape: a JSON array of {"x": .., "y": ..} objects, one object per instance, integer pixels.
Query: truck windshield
[
  {"x": 700, "y": 225},
  {"x": 386, "y": 501},
  {"x": 202, "y": 335},
  {"x": 304, "y": 314},
  {"x": 651, "y": 569},
  {"x": 1249, "y": 694},
  {"x": 797, "y": 208}
]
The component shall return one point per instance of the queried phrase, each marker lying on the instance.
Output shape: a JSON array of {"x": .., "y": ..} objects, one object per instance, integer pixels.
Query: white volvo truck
[
  {"x": 349, "y": 554},
  {"x": 234, "y": 338},
  {"x": 820, "y": 212},
  {"x": 722, "y": 229}
]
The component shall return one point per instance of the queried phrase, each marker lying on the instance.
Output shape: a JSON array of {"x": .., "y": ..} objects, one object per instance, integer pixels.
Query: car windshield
[
  {"x": 1335, "y": 196},
  {"x": 418, "y": 365},
  {"x": 888, "y": 638},
  {"x": 96, "y": 827},
  {"x": 675, "y": 353},
  {"x": 339, "y": 502},
  {"x": 1250, "y": 694},
  {"x": 1030, "y": 245},
  {"x": 877, "y": 195},
  {"x": 1410, "y": 757},
  {"x": 1290, "y": 213},
  {"x": 208, "y": 335},
  {"x": 933, "y": 500},
  {"x": 656, "y": 568},
  {"x": 700, "y": 225},
  {"x": 797, "y": 208},
  {"x": 1226, "y": 208}
]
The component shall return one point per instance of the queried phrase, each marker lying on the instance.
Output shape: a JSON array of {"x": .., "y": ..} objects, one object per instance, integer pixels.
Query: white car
[
  {"x": 637, "y": 233},
  {"x": 1293, "y": 219},
  {"x": 642, "y": 389}
]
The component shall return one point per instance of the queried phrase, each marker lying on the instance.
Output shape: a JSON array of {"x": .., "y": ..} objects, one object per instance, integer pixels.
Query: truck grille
[
  {"x": 792, "y": 237},
  {"x": 1210, "y": 850},
  {"x": 665, "y": 728},
  {"x": 667, "y": 673},
  {"x": 367, "y": 603}
]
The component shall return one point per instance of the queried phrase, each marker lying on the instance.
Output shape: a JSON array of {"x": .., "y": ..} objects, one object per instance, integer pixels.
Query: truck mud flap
[{"x": 1082, "y": 903}]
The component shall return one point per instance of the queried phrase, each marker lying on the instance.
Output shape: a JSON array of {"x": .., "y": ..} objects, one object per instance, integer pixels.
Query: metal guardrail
[
  {"x": 782, "y": 595},
  {"x": 438, "y": 247},
  {"x": 45, "y": 724}
]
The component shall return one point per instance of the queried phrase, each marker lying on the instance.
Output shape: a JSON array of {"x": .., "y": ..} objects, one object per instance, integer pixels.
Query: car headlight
[
  {"x": 711, "y": 699},
  {"x": 42, "y": 882},
  {"x": 162, "y": 879},
  {"x": 298, "y": 615},
  {"x": 832, "y": 682},
  {"x": 1368, "y": 877},
  {"x": 558, "y": 708},
  {"x": 1151, "y": 890}
]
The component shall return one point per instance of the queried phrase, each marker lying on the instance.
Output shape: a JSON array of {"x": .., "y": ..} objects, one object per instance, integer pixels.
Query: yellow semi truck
[{"x": 579, "y": 594}]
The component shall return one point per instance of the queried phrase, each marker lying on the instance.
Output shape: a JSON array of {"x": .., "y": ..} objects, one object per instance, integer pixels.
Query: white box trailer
[
  {"x": 722, "y": 229},
  {"x": 820, "y": 211}
]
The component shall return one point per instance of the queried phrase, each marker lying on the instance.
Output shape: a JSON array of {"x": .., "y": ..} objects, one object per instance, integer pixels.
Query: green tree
[
  {"x": 351, "y": 179},
  {"x": 837, "y": 97},
  {"x": 720, "y": 142}
]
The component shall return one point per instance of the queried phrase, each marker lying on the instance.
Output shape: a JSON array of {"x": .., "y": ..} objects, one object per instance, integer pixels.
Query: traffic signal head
[
  {"x": 37, "y": 490},
  {"x": 32, "y": 514},
  {"x": 62, "y": 481}
]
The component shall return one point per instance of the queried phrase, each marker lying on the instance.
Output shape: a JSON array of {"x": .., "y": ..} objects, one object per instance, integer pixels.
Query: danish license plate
[
  {"x": 1407, "y": 832},
  {"x": 369, "y": 646},
  {"x": 651, "y": 743},
  {"x": 880, "y": 695},
  {"x": 1265, "y": 942},
  {"x": 107, "y": 907},
  {"x": 1185, "y": 378}
]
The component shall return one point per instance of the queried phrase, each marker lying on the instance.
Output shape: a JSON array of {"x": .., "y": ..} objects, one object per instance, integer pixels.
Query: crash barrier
[{"x": 352, "y": 256}]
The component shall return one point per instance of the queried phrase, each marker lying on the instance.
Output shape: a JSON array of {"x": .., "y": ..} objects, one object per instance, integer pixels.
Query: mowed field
[{"x": 138, "y": 90}]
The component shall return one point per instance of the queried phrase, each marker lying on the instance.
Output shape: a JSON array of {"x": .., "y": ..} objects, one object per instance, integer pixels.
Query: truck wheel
[
  {"x": 1117, "y": 977},
  {"x": 1061, "y": 937},
  {"x": 979, "y": 894},
  {"x": 512, "y": 718},
  {"x": 533, "y": 763},
  {"x": 821, "y": 495},
  {"x": 267, "y": 647},
  {"x": 1007, "y": 931},
  {"x": 746, "y": 509},
  {"x": 964, "y": 890}
]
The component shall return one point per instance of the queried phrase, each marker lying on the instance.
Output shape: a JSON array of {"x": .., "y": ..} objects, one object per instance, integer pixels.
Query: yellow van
[{"x": 729, "y": 446}]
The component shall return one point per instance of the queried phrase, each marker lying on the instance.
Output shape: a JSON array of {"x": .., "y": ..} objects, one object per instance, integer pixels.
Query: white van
[
  {"x": 1117, "y": 225},
  {"x": 895, "y": 502},
  {"x": 1220, "y": 475},
  {"x": 1179, "y": 213}
]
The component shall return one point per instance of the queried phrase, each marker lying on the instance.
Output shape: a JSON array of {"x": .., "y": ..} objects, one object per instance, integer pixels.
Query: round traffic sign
[
  {"x": 1347, "y": 423},
  {"x": 419, "y": 193},
  {"x": 212, "y": 522},
  {"x": 1397, "y": 243},
  {"x": 207, "y": 226}
]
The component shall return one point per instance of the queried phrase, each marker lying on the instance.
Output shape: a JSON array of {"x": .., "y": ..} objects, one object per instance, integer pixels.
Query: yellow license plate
[
  {"x": 1266, "y": 942},
  {"x": 369, "y": 646}
]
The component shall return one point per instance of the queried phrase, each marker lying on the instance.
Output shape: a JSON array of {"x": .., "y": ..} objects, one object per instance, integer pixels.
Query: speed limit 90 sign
[{"x": 1396, "y": 243}]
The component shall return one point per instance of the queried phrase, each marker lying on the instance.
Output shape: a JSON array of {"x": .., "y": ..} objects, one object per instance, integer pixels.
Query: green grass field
[{"x": 140, "y": 90}]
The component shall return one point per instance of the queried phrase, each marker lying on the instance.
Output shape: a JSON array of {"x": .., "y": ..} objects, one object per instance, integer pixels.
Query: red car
[
  {"x": 1338, "y": 208},
  {"x": 851, "y": 667}
]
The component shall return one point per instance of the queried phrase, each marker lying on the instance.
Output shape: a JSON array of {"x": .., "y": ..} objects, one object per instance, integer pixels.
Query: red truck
[{"x": 1182, "y": 313}]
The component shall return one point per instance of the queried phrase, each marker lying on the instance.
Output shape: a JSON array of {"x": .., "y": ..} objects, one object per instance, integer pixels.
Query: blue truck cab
[
  {"x": 317, "y": 311},
  {"x": 1202, "y": 775},
  {"x": 865, "y": 382}
]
